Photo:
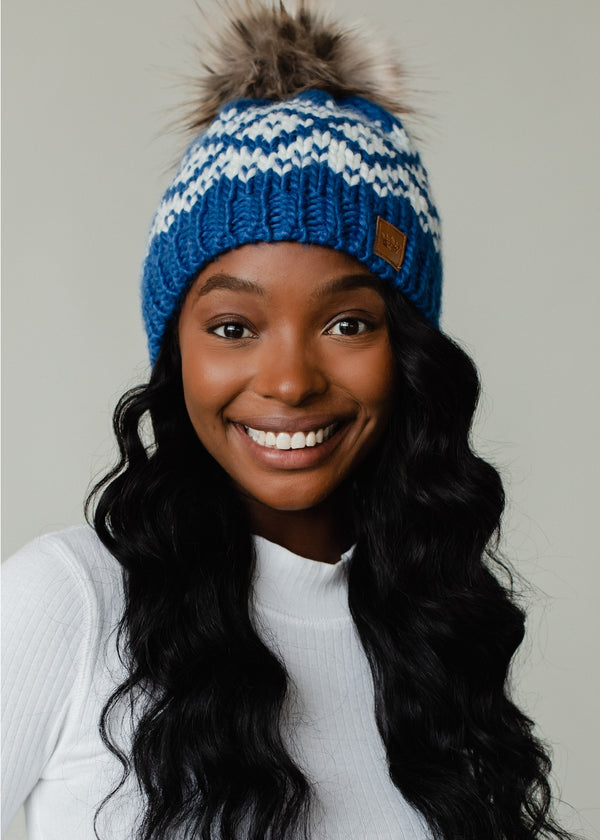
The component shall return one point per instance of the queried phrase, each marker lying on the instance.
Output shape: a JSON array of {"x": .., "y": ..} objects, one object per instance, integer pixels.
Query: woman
[{"x": 313, "y": 635}]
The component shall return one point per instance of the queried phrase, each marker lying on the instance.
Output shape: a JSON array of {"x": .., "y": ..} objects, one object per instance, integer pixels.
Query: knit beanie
[{"x": 326, "y": 165}]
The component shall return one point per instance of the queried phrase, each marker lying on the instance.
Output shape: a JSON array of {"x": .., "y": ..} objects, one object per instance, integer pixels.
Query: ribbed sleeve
[{"x": 47, "y": 618}]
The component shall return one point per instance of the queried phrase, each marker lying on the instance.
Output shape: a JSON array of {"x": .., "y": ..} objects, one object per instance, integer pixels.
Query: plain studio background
[{"x": 512, "y": 152}]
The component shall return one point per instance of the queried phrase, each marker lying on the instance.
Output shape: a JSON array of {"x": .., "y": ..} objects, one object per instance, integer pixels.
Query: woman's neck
[{"x": 320, "y": 533}]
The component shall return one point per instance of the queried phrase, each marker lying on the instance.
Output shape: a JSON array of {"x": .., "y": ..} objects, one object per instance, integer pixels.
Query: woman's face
[{"x": 287, "y": 369}]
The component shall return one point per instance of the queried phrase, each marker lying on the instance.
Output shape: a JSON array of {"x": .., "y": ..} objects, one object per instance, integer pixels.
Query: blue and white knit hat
[{"x": 340, "y": 172}]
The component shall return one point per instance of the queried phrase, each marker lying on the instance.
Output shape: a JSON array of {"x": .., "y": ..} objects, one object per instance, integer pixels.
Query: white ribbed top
[
  {"x": 299, "y": 587},
  {"x": 62, "y": 597}
]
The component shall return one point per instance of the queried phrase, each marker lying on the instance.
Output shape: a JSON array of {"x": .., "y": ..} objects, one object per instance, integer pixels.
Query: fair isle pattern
[
  {"x": 353, "y": 150},
  {"x": 310, "y": 169}
]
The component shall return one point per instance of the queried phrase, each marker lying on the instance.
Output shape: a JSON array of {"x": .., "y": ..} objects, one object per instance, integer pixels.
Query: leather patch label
[{"x": 390, "y": 243}]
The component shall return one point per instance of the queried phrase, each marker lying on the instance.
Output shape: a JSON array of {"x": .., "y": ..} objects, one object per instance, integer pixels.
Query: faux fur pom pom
[{"x": 264, "y": 51}]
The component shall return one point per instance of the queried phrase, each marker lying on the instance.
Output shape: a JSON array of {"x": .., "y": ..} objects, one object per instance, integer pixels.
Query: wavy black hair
[{"x": 432, "y": 603}]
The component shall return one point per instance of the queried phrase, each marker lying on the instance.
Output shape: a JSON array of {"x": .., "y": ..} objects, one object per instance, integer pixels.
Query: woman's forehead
[{"x": 265, "y": 267}]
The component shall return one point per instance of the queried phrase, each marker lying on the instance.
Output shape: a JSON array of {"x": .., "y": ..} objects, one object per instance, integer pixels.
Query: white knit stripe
[
  {"x": 268, "y": 129},
  {"x": 204, "y": 154},
  {"x": 233, "y": 120},
  {"x": 244, "y": 165}
]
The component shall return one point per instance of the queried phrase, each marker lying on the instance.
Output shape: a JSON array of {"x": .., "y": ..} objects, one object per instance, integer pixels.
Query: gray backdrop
[{"x": 511, "y": 146}]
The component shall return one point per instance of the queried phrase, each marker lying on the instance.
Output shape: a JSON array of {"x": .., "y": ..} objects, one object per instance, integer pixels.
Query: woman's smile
[
  {"x": 287, "y": 368},
  {"x": 290, "y": 440},
  {"x": 291, "y": 450}
]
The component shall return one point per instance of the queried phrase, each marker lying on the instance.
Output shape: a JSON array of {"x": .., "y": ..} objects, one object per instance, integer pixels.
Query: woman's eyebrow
[
  {"x": 230, "y": 282},
  {"x": 331, "y": 287},
  {"x": 346, "y": 284}
]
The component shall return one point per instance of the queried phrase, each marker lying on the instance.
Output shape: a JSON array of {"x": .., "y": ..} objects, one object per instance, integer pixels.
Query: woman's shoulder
[
  {"x": 66, "y": 579},
  {"x": 73, "y": 558},
  {"x": 61, "y": 600}
]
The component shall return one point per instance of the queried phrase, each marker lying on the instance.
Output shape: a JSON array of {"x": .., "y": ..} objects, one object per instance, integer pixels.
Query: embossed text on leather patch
[{"x": 390, "y": 243}]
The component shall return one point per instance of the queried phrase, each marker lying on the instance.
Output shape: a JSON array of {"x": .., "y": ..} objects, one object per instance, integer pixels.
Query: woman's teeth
[{"x": 290, "y": 440}]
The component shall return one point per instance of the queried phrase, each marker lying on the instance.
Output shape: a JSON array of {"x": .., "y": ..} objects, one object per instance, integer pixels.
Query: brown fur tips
[{"x": 264, "y": 51}]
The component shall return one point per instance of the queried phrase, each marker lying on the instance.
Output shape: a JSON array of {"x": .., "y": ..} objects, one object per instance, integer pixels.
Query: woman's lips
[{"x": 291, "y": 449}]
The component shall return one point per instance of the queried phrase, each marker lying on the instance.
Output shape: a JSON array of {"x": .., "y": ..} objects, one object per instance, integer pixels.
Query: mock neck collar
[{"x": 298, "y": 586}]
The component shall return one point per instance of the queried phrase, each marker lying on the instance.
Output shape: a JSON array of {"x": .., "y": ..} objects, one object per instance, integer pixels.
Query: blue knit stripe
[
  {"x": 245, "y": 164},
  {"x": 372, "y": 166}
]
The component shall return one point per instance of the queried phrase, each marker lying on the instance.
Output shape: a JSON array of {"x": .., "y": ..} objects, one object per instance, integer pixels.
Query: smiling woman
[
  {"x": 287, "y": 376},
  {"x": 287, "y": 620}
]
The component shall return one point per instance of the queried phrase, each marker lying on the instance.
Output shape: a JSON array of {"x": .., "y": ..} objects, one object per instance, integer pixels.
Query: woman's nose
[{"x": 290, "y": 373}]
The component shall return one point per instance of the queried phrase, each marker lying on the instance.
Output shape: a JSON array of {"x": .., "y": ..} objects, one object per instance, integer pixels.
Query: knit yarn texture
[{"x": 309, "y": 169}]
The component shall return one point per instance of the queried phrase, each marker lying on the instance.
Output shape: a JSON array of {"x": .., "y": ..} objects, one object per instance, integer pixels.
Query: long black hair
[{"x": 433, "y": 606}]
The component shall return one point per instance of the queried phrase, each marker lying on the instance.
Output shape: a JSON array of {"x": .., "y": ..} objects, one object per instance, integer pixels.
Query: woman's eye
[
  {"x": 348, "y": 326},
  {"x": 232, "y": 330}
]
